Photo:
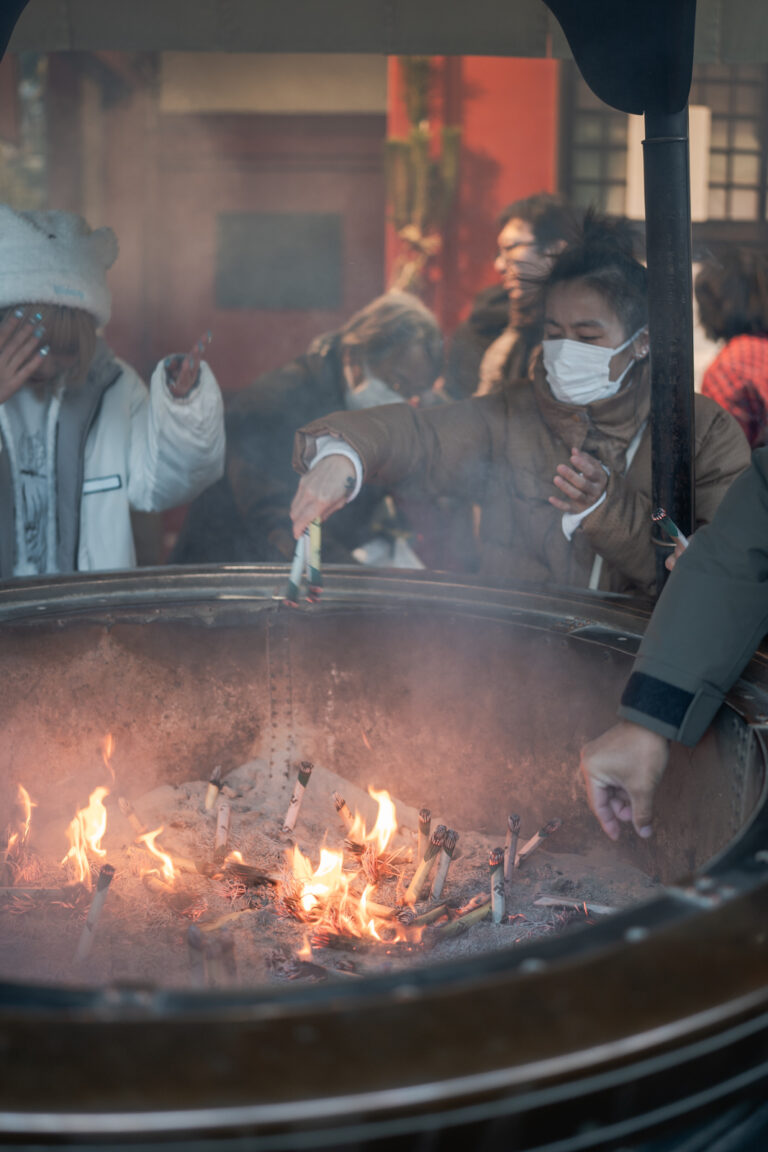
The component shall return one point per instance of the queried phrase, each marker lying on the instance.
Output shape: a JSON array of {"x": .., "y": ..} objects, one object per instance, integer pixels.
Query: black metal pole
[{"x": 670, "y": 315}]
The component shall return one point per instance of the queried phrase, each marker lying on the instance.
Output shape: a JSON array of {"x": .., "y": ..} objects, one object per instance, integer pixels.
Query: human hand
[
  {"x": 322, "y": 491},
  {"x": 182, "y": 371},
  {"x": 582, "y": 483},
  {"x": 621, "y": 770},
  {"x": 676, "y": 553},
  {"x": 22, "y": 350}
]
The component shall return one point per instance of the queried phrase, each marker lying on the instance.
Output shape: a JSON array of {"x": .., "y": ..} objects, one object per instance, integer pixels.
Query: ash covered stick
[
  {"x": 425, "y": 823},
  {"x": 668, "y": 526},
  {"x": 343, "y": 810},
  {"x": 532, "y": 844},
  {"x": 420, "y": 876},
  {"x": 314, "y": 562},
  {"x": 213, "y": 789},
  {"x": 129, "y": 812},
  {"x": 510, "y": 845},
  {"x": 496, "y": 868},
  {"x": 196, "y": 947},
  {"x": 222, "y": 833},
  {"x": 94, "y": 912},
  {"x": 305, "y": 771},
  {"x": 297, "y": 567},
  {"x": 447, "y": 849},
  {"x": 577, "y": 905}
]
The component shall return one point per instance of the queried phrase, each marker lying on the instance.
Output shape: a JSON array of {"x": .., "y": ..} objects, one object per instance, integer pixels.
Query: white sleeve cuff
[
  {"x": 571, "y": 520},
  {"x": 333, "y": 446}
]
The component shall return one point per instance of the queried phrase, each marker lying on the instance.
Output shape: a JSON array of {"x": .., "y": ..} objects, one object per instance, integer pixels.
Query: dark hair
[
  {"x": 732, "y": 294},
  {"x": 603, "y": 258},
  {"x": 549, "y": 217},
  {"x": 391, "y": 322}
]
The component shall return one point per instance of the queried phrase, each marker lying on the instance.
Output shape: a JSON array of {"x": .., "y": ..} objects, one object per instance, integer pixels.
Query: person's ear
[
  {"x": 352, "y": 366},
  {"x": 641, "y": 345}
]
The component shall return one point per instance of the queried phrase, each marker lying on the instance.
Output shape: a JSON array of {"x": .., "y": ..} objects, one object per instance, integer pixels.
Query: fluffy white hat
[{"x": 55, "y": 258}]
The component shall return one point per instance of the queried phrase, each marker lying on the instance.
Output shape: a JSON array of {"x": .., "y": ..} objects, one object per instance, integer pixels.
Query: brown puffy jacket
[{"x": 502, "y": 451}]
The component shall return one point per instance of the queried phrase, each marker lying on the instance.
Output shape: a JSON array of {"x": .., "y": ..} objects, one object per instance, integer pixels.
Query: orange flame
[
  {"x": 85, "y": 833},
  {"x": 26, "y": 804},
  {"x": 149, "y": 838},
  {"x": 386, "y": 820},
  {"x": 107, "y": 749},
  {"x": 325, "y": 893}
]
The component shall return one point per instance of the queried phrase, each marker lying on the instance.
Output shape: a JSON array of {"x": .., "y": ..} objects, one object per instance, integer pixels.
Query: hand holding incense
[
  {"x": 299, "y": 788},
  {"x": 94, "y": 912}
]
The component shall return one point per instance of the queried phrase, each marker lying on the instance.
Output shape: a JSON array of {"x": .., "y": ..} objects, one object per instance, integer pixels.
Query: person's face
[
  {"x": 574, "y": 311},
  {"x": 408, "y": 371},
  {"x": 51, "y": 369},
  {"x": 520, "y": 262}
]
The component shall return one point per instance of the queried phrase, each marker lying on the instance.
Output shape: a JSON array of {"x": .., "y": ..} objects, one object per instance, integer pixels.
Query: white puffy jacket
[{"x": 121, "y": 445}]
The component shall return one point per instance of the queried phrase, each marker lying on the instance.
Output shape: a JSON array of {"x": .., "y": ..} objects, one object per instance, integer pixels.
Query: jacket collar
[{"x": 609, "y": 424}]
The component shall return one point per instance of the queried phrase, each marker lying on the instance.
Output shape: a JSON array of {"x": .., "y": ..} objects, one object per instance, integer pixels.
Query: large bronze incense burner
[{"x": 430, "y": 689}]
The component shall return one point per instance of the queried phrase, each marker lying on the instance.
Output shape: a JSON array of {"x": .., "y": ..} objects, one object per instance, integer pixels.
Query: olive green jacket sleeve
[{"x": 709, "y": 619}]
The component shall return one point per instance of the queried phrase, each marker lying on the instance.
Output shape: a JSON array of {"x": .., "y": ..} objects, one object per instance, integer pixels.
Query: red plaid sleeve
[{"x": 737, "y": 380}]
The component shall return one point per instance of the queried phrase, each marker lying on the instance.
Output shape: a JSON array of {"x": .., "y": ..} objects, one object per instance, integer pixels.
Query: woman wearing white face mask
[{"x": 562, "y": 468}]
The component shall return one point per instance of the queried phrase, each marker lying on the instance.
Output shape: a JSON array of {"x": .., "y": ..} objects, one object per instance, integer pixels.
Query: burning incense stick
[
  {"x": 343, "y": 810},
  {"x": 425, "y": 823},
  {"x": 420, "y": 876},
  {"x": 496, "y": 866},
  {"x": 667, "y": 525},
  {"x": 532, "y": 844},
  {"x": 129, "y": 812},
  {"x": 213, "y": 789},
  {"x": 196, "y": 946},
  {"x": 94, "y": 912},
  {"x": 510, "y": 845},
  {"x": 446, "y": 856},
  {"x": 222, "y": 832},
  {"x": 297, "y": 567},
  {"x": 305, "y": 771},
  {"x": 315, "y": 575}
]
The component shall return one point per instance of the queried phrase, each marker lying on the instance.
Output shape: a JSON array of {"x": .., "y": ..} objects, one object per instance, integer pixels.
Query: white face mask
[
  {"x": 371, "y": 393},
  {"x": 578, "y": 373}
]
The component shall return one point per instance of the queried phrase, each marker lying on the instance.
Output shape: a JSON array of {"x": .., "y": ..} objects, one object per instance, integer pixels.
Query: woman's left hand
[{"x": 582, "y": 483}]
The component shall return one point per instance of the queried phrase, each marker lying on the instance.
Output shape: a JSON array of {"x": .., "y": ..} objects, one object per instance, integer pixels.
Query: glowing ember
[
  {"x": 85, "y": 833},
  {"x": 167, "y": 869}
]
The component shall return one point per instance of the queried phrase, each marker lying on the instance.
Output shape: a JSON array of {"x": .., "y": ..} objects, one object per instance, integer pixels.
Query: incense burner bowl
[{"x": 429, "y": 688}]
